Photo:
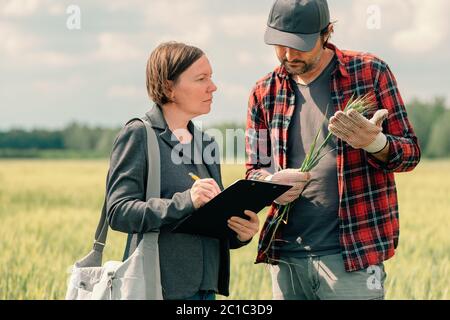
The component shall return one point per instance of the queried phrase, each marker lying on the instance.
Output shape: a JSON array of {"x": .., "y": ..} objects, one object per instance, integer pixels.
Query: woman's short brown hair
[{"x": 167, "y": 62}]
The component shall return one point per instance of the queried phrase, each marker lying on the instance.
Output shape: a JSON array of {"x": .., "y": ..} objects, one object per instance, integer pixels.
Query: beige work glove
[
  {"x": 292, "y": 177},
  {"x": 359, "y": 132}
]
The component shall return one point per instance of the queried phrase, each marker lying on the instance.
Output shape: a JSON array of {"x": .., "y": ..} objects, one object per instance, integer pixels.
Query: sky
[{"x": 63, "y": 61}]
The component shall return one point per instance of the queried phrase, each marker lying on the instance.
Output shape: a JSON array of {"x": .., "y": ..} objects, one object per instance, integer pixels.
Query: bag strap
[
  {"x": 153, "y": 180},
  {"x": 153, "y": 189}
]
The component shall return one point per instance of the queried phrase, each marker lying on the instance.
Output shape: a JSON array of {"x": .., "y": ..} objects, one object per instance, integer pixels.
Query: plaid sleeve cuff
[
  {"x": 235, "y": 243},
  {"x": 395, "y": 156}
]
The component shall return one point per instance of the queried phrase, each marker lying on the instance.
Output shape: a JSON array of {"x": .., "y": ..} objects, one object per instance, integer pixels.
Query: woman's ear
[{"x": 170, "y": 90}]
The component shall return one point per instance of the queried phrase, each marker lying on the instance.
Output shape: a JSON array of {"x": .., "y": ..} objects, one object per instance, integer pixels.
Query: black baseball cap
[{"x": 297, "y": 23}]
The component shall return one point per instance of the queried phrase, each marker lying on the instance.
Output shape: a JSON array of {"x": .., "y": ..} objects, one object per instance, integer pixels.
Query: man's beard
[{"x": 302, "y": 67}]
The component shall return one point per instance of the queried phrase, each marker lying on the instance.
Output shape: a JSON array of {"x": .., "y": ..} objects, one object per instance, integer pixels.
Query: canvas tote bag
[{"x": 138, "y": 277}]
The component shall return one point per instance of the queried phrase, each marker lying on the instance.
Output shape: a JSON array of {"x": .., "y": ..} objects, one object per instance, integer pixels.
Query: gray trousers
[{"x": 324, "y": 278}]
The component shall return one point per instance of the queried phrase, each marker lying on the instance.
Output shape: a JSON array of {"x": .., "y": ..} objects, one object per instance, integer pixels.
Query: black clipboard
[{"x": 211, "y": 219}]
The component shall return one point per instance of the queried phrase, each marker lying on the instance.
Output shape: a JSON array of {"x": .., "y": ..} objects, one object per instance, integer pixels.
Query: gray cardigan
[{"x": 181, "y": 255}]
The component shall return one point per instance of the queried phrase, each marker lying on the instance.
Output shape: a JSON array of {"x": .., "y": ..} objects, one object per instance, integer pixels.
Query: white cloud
[
  {"x": 175, "y": 13},
  {"x": 64, "y": 86},
  {"x": 24, "y": 49},
  {"x": 125, "y": 91},
  {"x": 199, "y": 37},
  {"x": 428, "y": 30},
  {"x": 56, "y": 9},
  {"x": 27, "y": 8},
  {"x": 181, "y": 20},
  {"x": 249, "y": 58},
  {"x": 351, "y": 27},
  {"x": 56, "y": 59},
  {"x": 15, "y": 42},
  {"x": 409, "y": 26},
  {"x": 19, "y": 8},
  {"x": 30, "y": 40},
  {"x": 244, "y": 57},
  {"x": 115, "y": 6},
  {"x": 27, "y": 49},
  {"x": 233, "y": 91},
  {"x": 271, "y": 59},
  {"x": 116, "y": 47},
  {"x": 178, "y": 20},
  {"x": 243, "y": 25}
]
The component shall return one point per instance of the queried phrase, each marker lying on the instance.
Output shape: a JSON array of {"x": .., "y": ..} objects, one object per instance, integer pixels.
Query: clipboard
[{"x": 211, "y": 219}]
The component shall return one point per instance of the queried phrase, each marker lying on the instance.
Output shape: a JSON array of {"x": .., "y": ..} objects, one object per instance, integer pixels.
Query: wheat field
[{"x": 49, "y": 211}]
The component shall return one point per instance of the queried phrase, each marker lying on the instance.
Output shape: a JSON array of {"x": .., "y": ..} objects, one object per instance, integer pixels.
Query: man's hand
[
  {"x": 203, "y": 191},
  {"x": 359, "y": 132},
  {"x": 245, "y": 229},
  {"x": 291, "y": 177}
]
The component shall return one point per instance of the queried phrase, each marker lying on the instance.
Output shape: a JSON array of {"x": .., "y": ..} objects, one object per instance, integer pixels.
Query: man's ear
[
  {"x": 330, "y": 32},
  {"x": 330, "y": 29},
  {"x": 327, "y": 37}
]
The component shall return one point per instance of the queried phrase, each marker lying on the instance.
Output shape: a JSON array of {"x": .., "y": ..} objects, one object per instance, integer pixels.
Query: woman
[{"x": 192, "y": 266}]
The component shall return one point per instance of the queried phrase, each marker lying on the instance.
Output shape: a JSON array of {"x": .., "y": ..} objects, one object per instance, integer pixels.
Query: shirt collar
[
  {"x": 156, "y": 117},
  {"x": 158, "y": 121}
]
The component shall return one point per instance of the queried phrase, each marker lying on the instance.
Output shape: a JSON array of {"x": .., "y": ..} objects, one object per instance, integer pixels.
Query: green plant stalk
[{"x": 362, "y": 105}]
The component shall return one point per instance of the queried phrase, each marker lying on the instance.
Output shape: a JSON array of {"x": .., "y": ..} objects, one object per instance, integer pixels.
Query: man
[{"x": 343, "y": 221}]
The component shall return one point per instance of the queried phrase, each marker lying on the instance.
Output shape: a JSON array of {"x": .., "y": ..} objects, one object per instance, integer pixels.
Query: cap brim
[{"x": 297, "y": 41}]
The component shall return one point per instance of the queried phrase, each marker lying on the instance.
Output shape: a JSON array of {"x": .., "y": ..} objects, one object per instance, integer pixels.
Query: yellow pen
[{"x": 193, "y": 176}]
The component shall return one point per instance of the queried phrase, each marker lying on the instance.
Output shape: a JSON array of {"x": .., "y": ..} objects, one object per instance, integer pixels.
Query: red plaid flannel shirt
[{"x": 368, "y": 208}]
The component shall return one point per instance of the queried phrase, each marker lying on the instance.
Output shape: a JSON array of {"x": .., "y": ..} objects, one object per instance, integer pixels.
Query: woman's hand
[
  {"x": 245, "y": 229},
  {"x": 203, "y": 191}
]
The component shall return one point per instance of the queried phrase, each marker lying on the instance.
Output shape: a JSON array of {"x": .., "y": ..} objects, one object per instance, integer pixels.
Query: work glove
[
  {"x": 292, "y": 177},
  {"x": 359, "y": 132}
]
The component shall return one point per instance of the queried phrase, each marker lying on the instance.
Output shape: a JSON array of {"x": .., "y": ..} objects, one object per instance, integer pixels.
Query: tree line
[
  {"x": 430, "y": 120},
  {"x": 75, "y": 140}
]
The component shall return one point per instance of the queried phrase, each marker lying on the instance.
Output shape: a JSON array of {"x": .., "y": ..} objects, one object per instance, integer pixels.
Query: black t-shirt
[{"x": 313, "y": 225}]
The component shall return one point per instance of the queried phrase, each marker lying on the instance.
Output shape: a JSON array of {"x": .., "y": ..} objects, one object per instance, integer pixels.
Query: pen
[{"x": 193, "y": 176}]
